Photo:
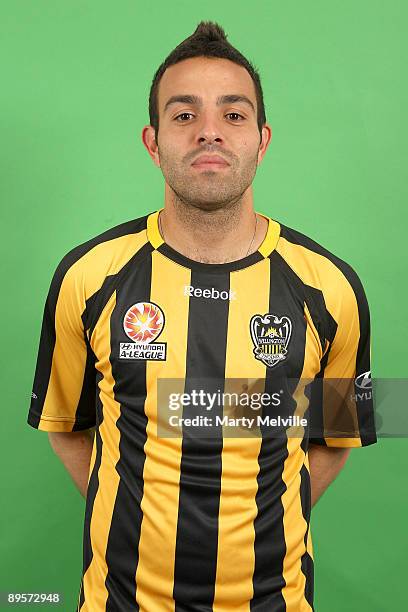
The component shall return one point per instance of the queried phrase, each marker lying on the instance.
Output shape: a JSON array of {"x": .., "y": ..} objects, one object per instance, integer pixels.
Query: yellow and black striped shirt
[{"x": 187, "y": 524}]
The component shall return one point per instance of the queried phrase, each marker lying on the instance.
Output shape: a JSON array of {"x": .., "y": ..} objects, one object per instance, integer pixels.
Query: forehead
[{"x": 207, "y": 78}]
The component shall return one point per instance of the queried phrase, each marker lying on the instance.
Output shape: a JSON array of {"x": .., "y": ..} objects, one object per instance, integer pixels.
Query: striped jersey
[{"x": 219, "y": 521}]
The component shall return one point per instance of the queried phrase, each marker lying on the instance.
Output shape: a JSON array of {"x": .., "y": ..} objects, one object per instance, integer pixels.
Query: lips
[{"x": 216, "y": 160}]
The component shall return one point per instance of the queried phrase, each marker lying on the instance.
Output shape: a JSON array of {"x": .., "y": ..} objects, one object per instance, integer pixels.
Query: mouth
[
  {"x": 210, "y": 162},
  {"x": 209, "y": 166}
]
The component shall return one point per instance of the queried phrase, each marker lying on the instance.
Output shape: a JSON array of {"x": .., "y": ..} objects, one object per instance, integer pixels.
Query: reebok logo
[{"x": 209, "y": 294}]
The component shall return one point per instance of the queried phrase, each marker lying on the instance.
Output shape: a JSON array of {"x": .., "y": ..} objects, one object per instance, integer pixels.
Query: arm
[
  {"x": 74, "y": 450},
  {"x": 64, "y": 390},
  {"x": 325, "y": 463}
]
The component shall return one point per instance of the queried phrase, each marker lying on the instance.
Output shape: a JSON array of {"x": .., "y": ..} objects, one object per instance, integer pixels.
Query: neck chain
[{"x": 250, "y": 244}]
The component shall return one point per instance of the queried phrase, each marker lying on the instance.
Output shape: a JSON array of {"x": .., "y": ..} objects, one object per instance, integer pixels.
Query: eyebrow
[{"x": 226, "y": 99}]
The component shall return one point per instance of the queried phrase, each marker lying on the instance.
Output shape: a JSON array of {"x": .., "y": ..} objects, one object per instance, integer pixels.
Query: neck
[{"x": 212, "y": 236}]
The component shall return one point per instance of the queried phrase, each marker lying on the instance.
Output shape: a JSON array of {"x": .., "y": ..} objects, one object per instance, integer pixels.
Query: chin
[{"x": 207, "y": 200}]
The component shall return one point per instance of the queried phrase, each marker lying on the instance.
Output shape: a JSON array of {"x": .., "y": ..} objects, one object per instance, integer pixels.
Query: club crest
[{"x": 271, "y": 336}]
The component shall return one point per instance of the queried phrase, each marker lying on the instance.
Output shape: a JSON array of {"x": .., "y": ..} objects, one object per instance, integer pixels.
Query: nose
[
  {"x": 209, "y": 131},
  {"x": 209, "y": 137}
]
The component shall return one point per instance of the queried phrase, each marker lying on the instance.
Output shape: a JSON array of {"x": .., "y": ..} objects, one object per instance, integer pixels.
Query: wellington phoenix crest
[
  {"x": 143, "y": 323},
  {"x": 271, "y": 336}
]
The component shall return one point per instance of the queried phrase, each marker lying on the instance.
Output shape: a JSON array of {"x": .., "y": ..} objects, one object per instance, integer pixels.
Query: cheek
[
  {"x": 170, "y": 147},
  {"x": 248, "y": 149},
  {"x": 167, "y": 152},
  {"x": 171, "y": 159}
]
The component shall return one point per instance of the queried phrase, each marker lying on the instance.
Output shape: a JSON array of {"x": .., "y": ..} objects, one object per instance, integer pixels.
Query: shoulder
[
  {"x": 317, "y": 264},
  {"x": 335, "y": 280},
  {"x": 104, "y": 243},
  {"x": 89, "y": 263}
]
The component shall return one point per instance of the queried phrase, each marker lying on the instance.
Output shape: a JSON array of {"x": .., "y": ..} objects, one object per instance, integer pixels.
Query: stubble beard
[{"x": 207, "y": 190}]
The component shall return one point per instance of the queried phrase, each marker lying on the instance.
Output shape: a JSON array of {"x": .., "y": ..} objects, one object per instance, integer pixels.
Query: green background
[{"x": 74, "y": 87}]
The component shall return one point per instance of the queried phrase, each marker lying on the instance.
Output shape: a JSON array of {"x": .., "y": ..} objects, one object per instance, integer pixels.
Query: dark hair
[{"x": 208, "y": 40}]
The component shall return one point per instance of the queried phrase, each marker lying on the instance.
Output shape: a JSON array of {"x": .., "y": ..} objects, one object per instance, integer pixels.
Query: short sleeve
[
  {"x": 341, "y": 401},
  {"x": 64, "y": 390}
]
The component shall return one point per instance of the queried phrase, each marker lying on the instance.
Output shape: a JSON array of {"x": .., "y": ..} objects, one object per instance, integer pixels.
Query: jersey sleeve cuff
[{"x": 55, "y": 424}]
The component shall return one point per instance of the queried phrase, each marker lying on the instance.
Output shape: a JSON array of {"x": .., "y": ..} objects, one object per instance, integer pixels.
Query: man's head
[{"x": 207, "y": 99}]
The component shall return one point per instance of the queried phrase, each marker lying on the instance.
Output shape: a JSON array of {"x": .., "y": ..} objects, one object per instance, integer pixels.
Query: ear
[
  {"x": 149, "y": 141},
  {"x": 266, "y": 139}
]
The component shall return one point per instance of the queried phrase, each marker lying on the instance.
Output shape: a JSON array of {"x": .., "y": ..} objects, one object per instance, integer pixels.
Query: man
[{"x": 199, "y": 294}]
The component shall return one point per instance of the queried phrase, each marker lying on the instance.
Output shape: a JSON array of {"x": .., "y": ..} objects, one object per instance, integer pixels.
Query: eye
[
  {"x": 236, "y": 115},
  {"x": 182, "y": 115}
]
